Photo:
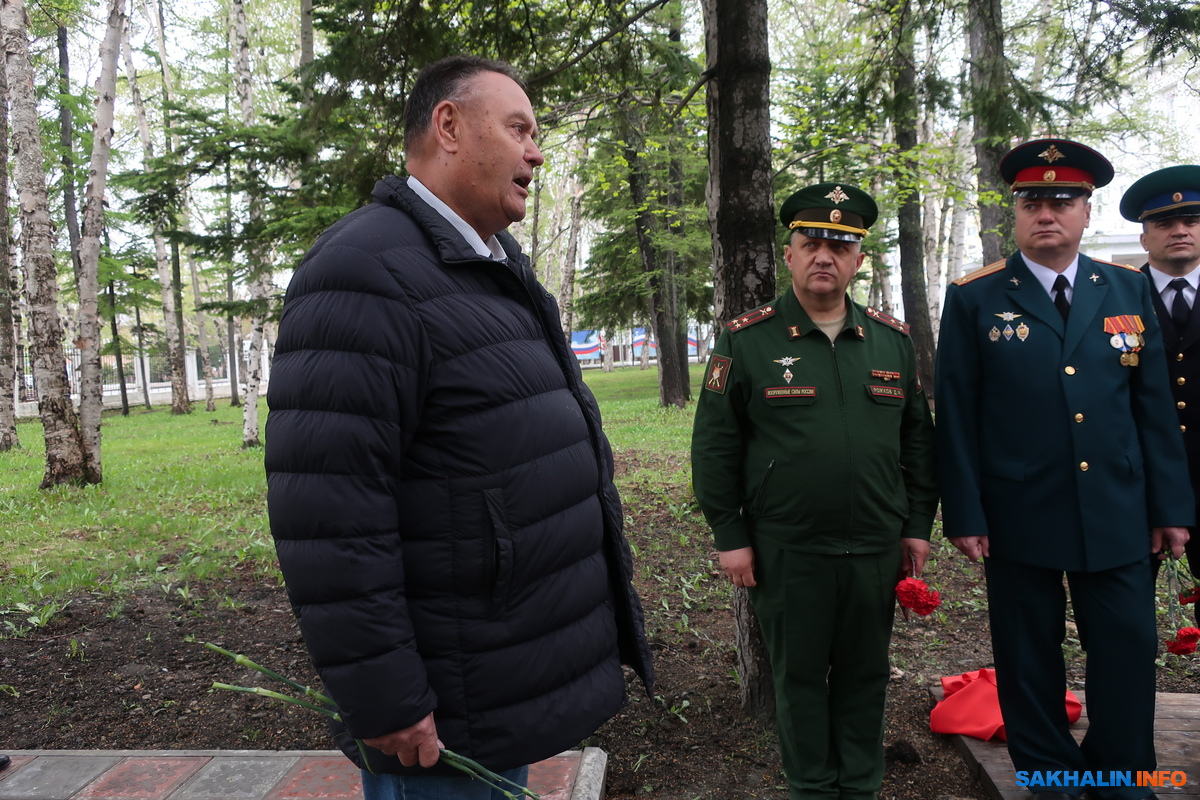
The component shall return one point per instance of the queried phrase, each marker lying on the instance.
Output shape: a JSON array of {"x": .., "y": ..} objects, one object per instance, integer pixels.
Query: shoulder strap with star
[
  {"x": 750, "y": 318},
  {"x": 888, "y": 319},
  {"x": 982, "y": 272},
  {"x": 1115, "y": 264}
]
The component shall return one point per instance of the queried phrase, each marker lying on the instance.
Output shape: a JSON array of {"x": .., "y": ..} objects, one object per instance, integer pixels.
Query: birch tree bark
[
  {"x": 8, "y": 296},
  {"x": 741, "y": 214},
  {"x": 566, "y": 293},
  {"x": 91, "y": 383},
  {"x": 260, "y": 277},
  {"x": 65, "y": 459},
  {"x": 66, "y": 134},
  {"x": 169, "y": 275}
]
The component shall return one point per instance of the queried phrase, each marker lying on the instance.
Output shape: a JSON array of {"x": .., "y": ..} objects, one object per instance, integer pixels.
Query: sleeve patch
[{"x": 718, "y": 374}]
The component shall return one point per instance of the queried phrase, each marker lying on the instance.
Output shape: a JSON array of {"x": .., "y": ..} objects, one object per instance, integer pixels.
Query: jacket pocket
[
  {"x": 1133, "y": 456},
  {"x": 1007, "y": 468},
  {"x": 760, "y": 495},
  {"x": 499, "y": 549}
]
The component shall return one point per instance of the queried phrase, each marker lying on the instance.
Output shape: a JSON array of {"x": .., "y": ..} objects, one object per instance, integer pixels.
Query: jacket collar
[
  {"x": 1089, "y": 290},
  {"x": 799, "y": 323},
  {"x": 452, "y": 248}
]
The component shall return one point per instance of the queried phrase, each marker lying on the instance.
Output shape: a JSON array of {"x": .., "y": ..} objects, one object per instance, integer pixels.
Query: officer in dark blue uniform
[
  {"x": 1058, "y": 452},
  {"x": 1167, "y": 204}
]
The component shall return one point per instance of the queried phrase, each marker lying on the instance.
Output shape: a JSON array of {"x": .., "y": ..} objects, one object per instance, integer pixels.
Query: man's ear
[{"x": 446, "y": 126}]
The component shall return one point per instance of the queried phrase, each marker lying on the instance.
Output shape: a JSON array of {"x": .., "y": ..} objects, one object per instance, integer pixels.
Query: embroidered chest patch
[
  {"x": 790, "y": 391},
  {"x": 887, "y": 391}
]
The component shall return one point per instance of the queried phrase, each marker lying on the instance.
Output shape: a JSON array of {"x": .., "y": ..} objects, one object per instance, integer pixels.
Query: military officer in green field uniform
[
  {"x": 1167, "y": 204},
  {"x": 1059, "y": 452},
  {"x": 812, "y": 459}
]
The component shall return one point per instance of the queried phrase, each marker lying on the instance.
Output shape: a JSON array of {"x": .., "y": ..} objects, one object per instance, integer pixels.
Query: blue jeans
[{"x": 437, "y": 787}]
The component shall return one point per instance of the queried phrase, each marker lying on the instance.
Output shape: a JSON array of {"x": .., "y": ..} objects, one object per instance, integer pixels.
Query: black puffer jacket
[{"x": 441, "y": 494}]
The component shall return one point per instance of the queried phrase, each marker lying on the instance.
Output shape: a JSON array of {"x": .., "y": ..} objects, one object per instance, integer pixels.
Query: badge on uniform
[
  {"x": 1126, "y": 336},
  {"x": 718, "y": 374},
  {"x": 786, "y": 362},
  {"x": 1021, "y": 331},
  {"x": 885, "y": 375}
]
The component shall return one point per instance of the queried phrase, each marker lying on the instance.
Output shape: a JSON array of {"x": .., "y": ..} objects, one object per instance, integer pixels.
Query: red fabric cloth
[{"x": 971, "y": 706}]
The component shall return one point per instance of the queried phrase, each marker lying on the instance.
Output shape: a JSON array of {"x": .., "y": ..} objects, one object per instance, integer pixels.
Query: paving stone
[
  {"x": 53, "y": 777},
  {"x": 142, "y": 779},
  {"x": 249, "y": 778},
  {"x": 554, "y": 778},
  {"x": 333, "y": 777}
]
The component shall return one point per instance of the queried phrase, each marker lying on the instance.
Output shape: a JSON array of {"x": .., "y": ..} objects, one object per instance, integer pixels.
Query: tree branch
[{"x": 537, "y": 79}]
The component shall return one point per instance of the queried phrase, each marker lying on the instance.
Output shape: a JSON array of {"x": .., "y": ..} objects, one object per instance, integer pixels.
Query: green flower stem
[
  {"x": 328, "y": 708},
  {"x": 241, "y": 660},
  {"x": 477, "y": 770},
  {"x": 277, "y": 696}
]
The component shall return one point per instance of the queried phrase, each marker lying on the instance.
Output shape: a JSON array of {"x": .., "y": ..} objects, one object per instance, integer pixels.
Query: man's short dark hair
[{"x": 445, "y": 79}]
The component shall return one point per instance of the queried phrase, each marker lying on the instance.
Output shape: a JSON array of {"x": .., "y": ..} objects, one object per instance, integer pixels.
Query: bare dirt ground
[{"x": 130, "y": 671}]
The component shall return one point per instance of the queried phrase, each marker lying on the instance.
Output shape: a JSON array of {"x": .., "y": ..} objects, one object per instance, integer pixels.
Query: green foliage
[{"x": 181, "y": 500}]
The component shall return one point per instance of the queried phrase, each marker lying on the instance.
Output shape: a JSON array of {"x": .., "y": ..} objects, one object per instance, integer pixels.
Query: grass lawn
[{"x": 182, "y": 501}]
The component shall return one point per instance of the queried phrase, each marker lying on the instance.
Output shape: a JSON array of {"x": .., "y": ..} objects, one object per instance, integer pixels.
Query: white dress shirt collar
[
  {"x": 1046, "y": 276},
  {"x": 489, "y": 249}
]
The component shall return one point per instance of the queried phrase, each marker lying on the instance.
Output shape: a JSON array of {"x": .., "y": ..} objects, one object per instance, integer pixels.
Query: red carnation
[
  {"x": 1184, "y": 642},
  {"x": 915, "y": 594},
  {"x": 1190, "y": 596}
]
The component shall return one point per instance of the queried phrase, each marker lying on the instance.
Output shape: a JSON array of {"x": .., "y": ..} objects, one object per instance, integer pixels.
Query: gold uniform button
[
  {"x": 1083, "y": 467},
  {"x": 1069, "y": 370},
  {"x": 1183, "y": 428},
  {"x": 1079, "y": 417},
  {"x": 1179, "y": 357},
  {"x": 1181, "y": 405},
  {"x": 1181, "y": 380}
]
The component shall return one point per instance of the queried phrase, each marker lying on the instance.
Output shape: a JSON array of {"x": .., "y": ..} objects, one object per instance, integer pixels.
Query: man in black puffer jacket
[{"x": 440, "y": 489}]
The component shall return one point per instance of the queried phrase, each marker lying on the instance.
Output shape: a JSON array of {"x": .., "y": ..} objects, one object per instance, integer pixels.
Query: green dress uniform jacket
[
  {"x": 1048, "y": 444},
  {"x": 822, "y": 449}
]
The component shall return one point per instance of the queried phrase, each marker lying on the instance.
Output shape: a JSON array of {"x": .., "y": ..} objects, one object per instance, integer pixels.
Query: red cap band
[{"x": 1053, "y": 176}]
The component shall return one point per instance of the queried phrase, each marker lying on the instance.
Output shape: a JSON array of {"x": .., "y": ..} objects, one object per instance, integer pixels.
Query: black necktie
[
  {"x": 1179, "y": 307},
  {"x": 1060, "y": 296}
]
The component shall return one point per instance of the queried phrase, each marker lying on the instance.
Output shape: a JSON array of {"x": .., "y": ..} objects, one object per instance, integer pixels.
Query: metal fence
[{"x": 158, "y": 370}]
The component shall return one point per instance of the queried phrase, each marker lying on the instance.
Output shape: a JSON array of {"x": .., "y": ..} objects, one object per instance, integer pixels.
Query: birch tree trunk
[
  {"x": 66, "y": 132},
  {"x": 65, "y": 459},
  {"x": 260, "y": 278},
  {"x": 606, "y": 356},
  {"x": 566, "y": 292},
  {"x": 91, "y": 383},
  {"x": 210, "y": 402},
  {"x": 741, "y": 215},
  {"x": 8, "y": 296},
  {"x": 169, "y": 276}
]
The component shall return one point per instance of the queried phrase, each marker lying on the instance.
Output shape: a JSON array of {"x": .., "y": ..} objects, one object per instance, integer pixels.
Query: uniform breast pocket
[
  {"x": 790, "y": 395},
  {"x": 886, "y": 395}
]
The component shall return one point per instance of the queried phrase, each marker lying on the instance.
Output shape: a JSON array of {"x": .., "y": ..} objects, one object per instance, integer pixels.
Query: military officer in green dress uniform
[
  {"x": 1167, "y": 204},
  {"x": 812, "y": 459},
  {"x": 1058, "y": 452}
]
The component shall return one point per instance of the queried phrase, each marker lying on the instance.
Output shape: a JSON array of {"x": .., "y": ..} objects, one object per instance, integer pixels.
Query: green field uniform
[{"x": 819, "y": 455}]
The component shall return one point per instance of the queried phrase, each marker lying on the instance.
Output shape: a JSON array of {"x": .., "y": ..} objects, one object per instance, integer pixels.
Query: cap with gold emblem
[
  {"x": 1054, "y": 168},
  {"x": 830, "y": 211},
  {"x": 1166, "y": 193}
]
